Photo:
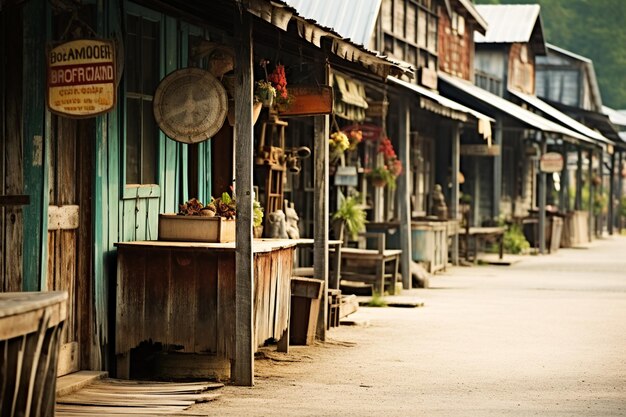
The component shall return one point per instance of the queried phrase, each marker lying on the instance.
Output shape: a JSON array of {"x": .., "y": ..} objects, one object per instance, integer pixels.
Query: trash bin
[{"x": 306, "y": 294}]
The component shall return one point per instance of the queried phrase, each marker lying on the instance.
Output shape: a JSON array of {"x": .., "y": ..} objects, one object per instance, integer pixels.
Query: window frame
[{"x": 133, "y": 191}]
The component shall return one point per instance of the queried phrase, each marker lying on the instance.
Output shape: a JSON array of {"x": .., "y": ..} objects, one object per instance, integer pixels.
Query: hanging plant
[
  {"x": 337, "y": 145},
  {"x": 279, "y": 82}
]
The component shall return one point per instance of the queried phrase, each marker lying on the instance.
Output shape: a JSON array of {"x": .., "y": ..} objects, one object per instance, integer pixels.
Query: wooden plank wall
[
  {"x": 160, "y": 289},
  {"x": 11, "y": 149}
]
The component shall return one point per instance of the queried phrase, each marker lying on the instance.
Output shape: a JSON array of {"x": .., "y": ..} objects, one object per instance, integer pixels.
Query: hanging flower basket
[{"x": 379, "y": 182}]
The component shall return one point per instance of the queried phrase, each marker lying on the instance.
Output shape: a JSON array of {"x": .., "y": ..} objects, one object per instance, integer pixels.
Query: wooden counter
[{"x": 182, "y": 295}]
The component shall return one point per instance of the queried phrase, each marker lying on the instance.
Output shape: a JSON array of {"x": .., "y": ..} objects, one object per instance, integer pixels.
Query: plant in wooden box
[
  {"x": 350, "y": 216},
  {"x": 199, "y": 223}
]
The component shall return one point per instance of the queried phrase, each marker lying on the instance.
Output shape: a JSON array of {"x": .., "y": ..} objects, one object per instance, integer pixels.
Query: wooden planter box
[{"x": 196, "y": 228}]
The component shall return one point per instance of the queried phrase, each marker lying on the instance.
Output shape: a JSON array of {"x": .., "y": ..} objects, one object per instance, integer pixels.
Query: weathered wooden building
[
  {"x": 568, "y": 82},
  {"x": 422, "y": 124},
  {"x": 509, "y": 184},
  {"x": 72, "y": 188}
]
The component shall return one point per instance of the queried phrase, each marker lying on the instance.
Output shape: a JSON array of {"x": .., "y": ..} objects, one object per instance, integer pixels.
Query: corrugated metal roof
[
  {"x": 444, "y": 101},
  {"x": 560, "y": 117},
  {"x": 496, "y": 102},
  {"x": 508, "y": 23},
  {"x": 280, "y": 13},
  {"x": 352, "y": 19}
]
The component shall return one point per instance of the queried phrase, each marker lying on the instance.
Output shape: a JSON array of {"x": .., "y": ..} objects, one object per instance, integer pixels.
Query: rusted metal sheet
[{"x": 309, "y": 101}]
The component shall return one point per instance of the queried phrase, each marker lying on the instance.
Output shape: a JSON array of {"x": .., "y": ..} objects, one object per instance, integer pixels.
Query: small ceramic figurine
[
  {"x": 291, "y": 217},
  {"x": 440, "y": 208},
  {"x": 276, "y": 226}
]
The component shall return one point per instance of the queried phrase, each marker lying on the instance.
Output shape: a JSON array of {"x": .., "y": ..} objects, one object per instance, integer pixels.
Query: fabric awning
[
  {"x": 561, "y": 117},
  {"x": 349, "y": 98},
  {"x": 443, "y": 106},
  {"x": 457, "y": 87}
]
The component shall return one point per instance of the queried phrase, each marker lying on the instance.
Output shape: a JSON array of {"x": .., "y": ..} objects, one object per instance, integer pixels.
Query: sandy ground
[{"x": 546, "y": 337}]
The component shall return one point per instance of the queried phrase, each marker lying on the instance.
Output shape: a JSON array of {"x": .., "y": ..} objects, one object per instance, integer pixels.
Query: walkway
[{"x": 546, "y": 336}]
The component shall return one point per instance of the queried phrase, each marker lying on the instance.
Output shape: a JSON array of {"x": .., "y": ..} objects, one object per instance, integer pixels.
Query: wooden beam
[
  {"x": 454, "y": 197},
  {"x": 542, "y": 200},
  {"x": 242, "y": 370},
  {"x": 620, "y": 188},
  {"x": 320, "y": 214},
  {"x": 403, "y": 192},
  {"x": 14, "y": 200}
]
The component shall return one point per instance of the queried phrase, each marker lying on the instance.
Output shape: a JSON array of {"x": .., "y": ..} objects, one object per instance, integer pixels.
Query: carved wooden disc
[{"x": 190, "y": 105}]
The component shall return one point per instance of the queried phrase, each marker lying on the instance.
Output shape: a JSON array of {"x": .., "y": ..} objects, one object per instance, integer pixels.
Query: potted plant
[
  {"x": 257, "y": 219},
  {"x": 350, "y": 216},
  {"x": 382, "y": 176},
  {"x": 264, "y": 93},
  {"x": 391, "y": 168}
]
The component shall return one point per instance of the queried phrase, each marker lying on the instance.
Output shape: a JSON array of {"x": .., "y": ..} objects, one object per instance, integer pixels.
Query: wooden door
[{"x": 69, "y": 226}]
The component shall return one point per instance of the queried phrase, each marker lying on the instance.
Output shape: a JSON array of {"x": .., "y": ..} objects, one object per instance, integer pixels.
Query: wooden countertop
[{"x": 258, "y": 245}]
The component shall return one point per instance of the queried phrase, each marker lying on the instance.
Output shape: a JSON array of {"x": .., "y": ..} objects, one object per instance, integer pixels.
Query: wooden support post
[
  {"x": 242, "y": 370},
  {"x": 578, "y": 203},
  {"x": 320, "y": 215},
  {"x": 592, "y": 192},
  {"x": 620, "y": 190},
  {"x": 403, "y": 192},
  {"x": 611, "y": 213},
  {"x": 542, "y": 201},
  {"x": 454, "y": 196},
  {"x": 565, "y": 196},
  {"x": 497, "y": 171}
]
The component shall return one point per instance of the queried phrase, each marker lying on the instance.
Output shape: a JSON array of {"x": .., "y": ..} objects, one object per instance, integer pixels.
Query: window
[{"x": 142, "y": 73}]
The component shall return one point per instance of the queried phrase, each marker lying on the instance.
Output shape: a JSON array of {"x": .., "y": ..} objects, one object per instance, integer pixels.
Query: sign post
[{"x": 81, "y": 78}]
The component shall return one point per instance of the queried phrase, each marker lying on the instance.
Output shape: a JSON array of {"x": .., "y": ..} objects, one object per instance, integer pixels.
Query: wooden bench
[
  {"x": 472, "y": 235},
  {"x": 378, "y": 266}
]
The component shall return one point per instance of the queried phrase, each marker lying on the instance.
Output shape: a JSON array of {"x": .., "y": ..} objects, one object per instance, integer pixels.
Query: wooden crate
[{"x": 196, "y": 228}]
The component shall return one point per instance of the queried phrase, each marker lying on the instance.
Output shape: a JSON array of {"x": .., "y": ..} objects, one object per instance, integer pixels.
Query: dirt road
[{"x": 546, "y": 336}]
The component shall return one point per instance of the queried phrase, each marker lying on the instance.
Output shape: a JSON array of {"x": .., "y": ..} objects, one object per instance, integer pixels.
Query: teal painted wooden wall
[{"x": 130, "y": 213}]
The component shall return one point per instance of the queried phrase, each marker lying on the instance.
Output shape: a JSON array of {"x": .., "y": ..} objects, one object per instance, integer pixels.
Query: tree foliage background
[{"x": 595, "y": 29}]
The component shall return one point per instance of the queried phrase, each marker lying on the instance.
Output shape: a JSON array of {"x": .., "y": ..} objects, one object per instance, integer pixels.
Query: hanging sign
[
  {"x": 346, "y": 176},
  {"x": 551, "y": 162},
  {"x": 81, "y": 78}
]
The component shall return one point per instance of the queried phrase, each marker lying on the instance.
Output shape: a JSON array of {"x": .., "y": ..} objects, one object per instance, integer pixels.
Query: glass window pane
[
  {"x": 133, "y": 141},
  {"x": 150, "y": 57},
  {"x": 132, "y": 70},
  {"x": 149, "y": 145}
]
